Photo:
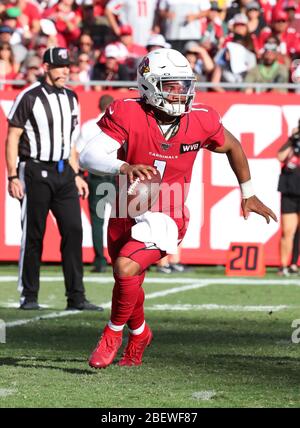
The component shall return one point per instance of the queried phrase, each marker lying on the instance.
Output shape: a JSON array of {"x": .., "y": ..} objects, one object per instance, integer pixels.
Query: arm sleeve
[
  {"x": 86, "y": 135},
  {"x": 115, "y": 122},
  {"x": 99, "y": 156}
]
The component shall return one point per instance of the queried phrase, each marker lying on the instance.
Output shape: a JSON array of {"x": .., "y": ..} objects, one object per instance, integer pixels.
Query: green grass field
[{"x": 218, "y": 342}]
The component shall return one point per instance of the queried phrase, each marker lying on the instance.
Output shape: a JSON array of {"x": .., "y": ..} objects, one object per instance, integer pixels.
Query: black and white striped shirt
[{"x": 49, "y": 117}]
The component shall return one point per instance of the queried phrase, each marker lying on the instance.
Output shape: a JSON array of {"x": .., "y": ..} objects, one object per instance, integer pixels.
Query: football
[{"x": 142, "y": 194}]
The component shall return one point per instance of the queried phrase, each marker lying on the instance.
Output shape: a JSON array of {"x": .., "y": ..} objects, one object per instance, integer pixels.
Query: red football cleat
[
  {"x": 135, "y": 348},
  {"x": 107, "y": 348}
]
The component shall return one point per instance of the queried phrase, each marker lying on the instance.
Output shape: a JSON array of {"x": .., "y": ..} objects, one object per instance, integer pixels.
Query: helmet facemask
[
  {"x": 166, "y": 81},
  {"x": 176, "y": 95}
]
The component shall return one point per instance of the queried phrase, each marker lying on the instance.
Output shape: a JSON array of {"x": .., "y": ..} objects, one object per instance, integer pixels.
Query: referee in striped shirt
[{"x": 43, "y": 124}]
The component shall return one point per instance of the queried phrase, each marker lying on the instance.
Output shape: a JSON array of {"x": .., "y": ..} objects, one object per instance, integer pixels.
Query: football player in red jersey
[{"x": 163, "y": 130}]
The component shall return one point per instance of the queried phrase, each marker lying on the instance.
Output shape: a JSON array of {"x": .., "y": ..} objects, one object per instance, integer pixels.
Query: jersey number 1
[{"x": 161, "y": 166}]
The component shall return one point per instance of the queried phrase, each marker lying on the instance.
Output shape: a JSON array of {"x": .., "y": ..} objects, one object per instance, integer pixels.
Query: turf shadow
[{"x": 20, "y": 362}]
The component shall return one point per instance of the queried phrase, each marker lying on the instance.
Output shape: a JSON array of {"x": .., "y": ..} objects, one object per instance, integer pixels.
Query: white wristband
[{"x": 247, "y": 189}]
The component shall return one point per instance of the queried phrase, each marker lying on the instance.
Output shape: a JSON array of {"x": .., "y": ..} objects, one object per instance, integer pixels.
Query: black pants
[
  {"x": 296, "y": 247},
  {"x": 47, "y": 189},
  {"x": 97, "y": 218}
]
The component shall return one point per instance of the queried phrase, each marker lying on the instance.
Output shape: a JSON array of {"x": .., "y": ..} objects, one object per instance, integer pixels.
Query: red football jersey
[{"x": 132, "y": 123}]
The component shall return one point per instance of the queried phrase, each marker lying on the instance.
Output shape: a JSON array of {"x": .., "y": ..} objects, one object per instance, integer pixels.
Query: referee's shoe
[
  {"x": 29, "y": 305},
  {"x": 83, "y": 306}
]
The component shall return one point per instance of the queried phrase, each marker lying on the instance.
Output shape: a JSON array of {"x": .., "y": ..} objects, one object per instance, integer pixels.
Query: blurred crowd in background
[{"x": 225, "y": 41}]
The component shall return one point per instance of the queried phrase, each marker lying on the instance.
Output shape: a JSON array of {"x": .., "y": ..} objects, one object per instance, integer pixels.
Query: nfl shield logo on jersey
[{"x": 165, "y": 146}]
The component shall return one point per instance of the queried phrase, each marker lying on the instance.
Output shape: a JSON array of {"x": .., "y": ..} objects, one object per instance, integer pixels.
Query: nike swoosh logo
[{"x": 111, "y": 110}]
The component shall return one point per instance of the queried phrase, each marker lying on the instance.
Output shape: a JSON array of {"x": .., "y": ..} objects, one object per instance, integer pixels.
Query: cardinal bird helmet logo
[{"x": 144, "y": 66}]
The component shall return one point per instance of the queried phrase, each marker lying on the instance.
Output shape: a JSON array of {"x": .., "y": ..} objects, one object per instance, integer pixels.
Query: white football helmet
[{"x": 159, "y": 72}]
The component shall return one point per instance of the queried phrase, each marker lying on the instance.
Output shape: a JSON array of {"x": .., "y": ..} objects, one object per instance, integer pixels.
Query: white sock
[
  {"x": 114, "y": 327},
  {"x": 138, "y": 330}
]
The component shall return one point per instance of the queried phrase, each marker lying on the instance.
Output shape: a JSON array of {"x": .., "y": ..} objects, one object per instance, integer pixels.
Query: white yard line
[
  {"x": 192, "y": 284},
  {"x": 255, "y": 281},
  {"x": 16, "y": 305},
  {"x": 174, "y": 290},
  {"x": 104, "y": 305},
  {"x": 176, "y": 280},
  {"x": 216, "y": 307},
  {"x": 4, "y": 392},
  {"x": 204, "y": 395},
  {"x": 17, "y": 323}
]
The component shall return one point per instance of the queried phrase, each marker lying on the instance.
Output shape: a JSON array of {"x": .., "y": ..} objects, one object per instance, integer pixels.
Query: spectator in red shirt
[
  {"x": 99, "y": 7},
  {"x": 29, "y": 20},
  {"x": 135, "y": 51},
  {"x": 67, "y": 18},
  {"x": 130, "y": 53},
  {"x": 292, "y": 9},
  {"x": 267, "y": 8},
  {"x": 126, "y": 37},
  {"x": 288, "y": 37}
]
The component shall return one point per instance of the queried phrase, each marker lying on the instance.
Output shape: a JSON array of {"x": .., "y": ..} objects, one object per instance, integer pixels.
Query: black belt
[
  {"x": 58, "y": 165},
  {"x": 65, "y": 161}
]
